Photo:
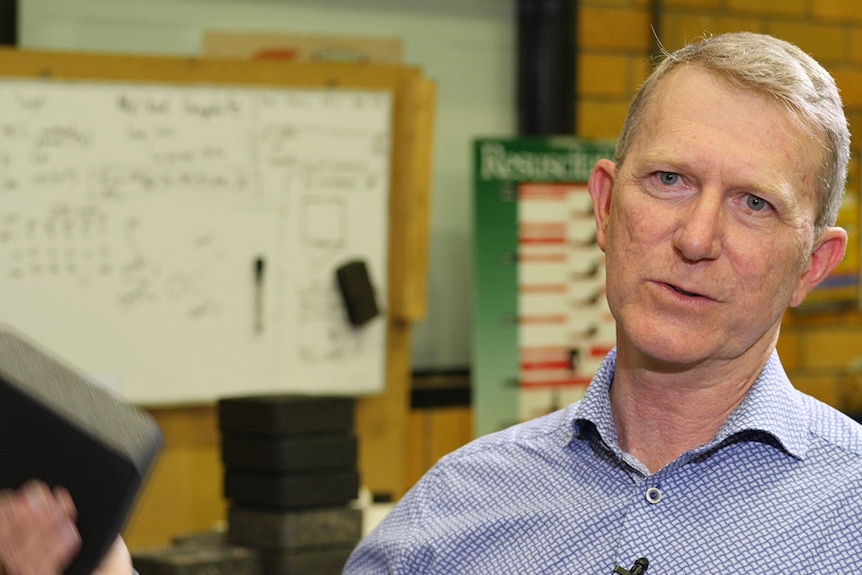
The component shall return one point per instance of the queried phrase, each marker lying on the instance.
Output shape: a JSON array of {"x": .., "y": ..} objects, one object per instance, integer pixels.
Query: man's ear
[
  {"x": 601, "y": 187},
  {"x": 828, "y": 253}
]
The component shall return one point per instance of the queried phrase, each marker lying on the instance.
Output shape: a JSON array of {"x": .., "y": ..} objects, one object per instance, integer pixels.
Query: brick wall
[{"x": 821, "y": 349}]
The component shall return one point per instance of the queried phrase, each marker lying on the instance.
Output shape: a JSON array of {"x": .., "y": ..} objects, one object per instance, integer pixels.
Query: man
[
  {"x": 690, "y": 449},
  {"x": 38, "y": 534}
]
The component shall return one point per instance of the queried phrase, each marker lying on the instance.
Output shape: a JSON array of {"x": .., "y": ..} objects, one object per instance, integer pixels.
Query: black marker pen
[{"x": 259, "y": 268}]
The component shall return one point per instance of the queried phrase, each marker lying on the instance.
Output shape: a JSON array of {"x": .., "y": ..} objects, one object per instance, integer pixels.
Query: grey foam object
[
  {"x": 198, "y": 560},
  {"x": 292, "y": 491},
  {"x": 287, "y": 414},
  {"x": 294, "y": 530},
  {"x": 289, "y": 453},
  {"x": 324, "y": 560},
  {"x": 57, "y": 426}
]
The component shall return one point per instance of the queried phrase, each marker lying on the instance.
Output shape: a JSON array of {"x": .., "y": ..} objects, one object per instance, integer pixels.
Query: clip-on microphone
[{"x": 639, "y": 568}]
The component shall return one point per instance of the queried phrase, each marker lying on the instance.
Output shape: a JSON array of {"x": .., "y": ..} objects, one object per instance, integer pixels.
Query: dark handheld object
[
  {"x": 58, "y": 427},
  {"x": 639, "y": 568},
  {"x": 357, "y": 292}
]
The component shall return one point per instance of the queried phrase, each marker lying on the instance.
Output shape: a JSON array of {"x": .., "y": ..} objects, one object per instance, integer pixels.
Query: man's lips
[
  {"x": 685, "y": 292},
  {"x": 682, "y": 291}
]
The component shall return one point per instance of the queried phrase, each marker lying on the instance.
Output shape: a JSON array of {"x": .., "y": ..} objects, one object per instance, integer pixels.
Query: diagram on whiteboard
[{"x": 177, "y": 240}]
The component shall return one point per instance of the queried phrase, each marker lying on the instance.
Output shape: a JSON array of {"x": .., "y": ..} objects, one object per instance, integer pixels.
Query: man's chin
[{"x": 667, "y": 351}]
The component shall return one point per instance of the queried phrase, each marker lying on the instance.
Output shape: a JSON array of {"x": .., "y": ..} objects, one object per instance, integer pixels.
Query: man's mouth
[{"x": 681, "y": 291}]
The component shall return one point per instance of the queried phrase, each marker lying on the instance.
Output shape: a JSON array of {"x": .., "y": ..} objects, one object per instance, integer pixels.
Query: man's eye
[
  {"x": 668, "y": 178},
  {"x": 755, "y": 204}
]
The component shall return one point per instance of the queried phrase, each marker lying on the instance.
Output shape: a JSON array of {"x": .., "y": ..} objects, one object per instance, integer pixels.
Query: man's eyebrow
[{"x": 658, "y": 156}]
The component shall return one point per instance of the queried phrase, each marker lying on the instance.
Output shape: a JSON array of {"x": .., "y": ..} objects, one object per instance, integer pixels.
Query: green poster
[{"x": 541, "y": 320}]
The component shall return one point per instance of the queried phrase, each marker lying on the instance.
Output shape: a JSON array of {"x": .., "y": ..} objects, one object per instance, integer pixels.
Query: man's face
[{"x": 708, "y": 223}]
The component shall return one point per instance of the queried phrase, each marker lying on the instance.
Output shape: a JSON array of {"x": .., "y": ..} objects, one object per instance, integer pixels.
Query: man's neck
[{"x": 660, "y": 416}]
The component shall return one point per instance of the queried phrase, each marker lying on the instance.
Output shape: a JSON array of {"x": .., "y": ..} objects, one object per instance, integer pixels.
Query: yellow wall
[{"x": 183, "y": 493}]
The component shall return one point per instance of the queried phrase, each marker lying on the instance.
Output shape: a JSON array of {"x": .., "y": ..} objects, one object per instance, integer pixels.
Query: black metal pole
[
  {"x": 9, "y": 22},
  {"x": 656, "y": 12},
  {"x": 547, "y": 66}
]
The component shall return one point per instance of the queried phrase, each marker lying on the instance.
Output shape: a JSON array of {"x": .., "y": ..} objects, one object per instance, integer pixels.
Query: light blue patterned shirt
[{"x": 779, "y": 490}]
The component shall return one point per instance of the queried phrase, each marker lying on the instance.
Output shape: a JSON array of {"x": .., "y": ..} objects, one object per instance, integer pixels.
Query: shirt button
[{"x": 653, "y": 495}]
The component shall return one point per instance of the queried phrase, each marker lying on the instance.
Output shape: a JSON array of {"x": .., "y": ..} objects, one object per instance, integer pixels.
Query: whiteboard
[{"x": 133, "y": 216}]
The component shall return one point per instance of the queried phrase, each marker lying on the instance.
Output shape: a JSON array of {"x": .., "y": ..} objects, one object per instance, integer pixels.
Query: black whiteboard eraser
[
  {"x": 58, "y": 427},
  {"x": 357, "y": 292}
]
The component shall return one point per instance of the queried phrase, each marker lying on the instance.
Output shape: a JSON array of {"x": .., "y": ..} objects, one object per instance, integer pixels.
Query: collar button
[{"x": 653, "y": 495}]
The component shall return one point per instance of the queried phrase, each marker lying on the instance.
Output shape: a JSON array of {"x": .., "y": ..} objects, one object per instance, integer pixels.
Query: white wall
[{"x": 466, "y": 46}]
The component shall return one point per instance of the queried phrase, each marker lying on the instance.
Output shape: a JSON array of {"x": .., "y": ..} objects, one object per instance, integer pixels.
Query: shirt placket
[{"x": 644, "y": 515}]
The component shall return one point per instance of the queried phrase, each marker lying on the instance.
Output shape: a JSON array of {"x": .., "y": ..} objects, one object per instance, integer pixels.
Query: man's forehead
[{"x": 772, "y": 153}]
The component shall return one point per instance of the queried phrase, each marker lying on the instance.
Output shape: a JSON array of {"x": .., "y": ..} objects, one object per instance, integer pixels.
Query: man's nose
[{"x": 699, "y": 232}]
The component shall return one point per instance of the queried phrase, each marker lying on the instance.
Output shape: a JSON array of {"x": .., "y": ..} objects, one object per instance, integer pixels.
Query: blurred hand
[{"x": 37, "y": 530}]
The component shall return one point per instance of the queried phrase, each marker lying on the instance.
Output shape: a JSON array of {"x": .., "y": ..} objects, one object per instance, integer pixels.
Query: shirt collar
[
  {"x": 772, "y": 410},
  {"x": 772, "y": 406}
]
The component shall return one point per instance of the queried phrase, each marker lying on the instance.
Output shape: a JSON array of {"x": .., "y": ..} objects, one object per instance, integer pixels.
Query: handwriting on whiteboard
[{"x": 133, "y": 207}]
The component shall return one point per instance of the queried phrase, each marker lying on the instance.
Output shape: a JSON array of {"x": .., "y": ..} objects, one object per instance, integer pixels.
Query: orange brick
[
  {"x": 613, "y": 28},
  {"x": 602, "y": 75},
  {"x": 854, "y": 118},
  {"x": 616, "y": 3},
  {"x": 680, "y": 29},
  {"x": 837, "y": 9},
  {"x": 849, "y": 214},
  {"x": 710, "y": 4},
  {"x": 692, "y": 4},
  {"x": 853, "y": 172},
  {"x": 601, "y": 120},
  {"x": 850, "y": 318},
  {"x": 831, "y": 348},
  {"x": 825, "y": 387},
  {"x": 788, "y": 348},
  {"x": 850, "y": 263},
  {"x": 823, "y": 41},
  {"x": 850, "y": 83},
  {"x": 855, "y": 44},
  {"x": 850, "y": 393},
  {"x": 778, "y": 7},
  {"x": 639, "y": 69}
]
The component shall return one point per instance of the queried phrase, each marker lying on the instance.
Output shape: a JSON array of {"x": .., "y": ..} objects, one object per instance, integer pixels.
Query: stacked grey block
[
  {"x": 290, "y": 476},
  {"x": 217, "y": 558}
]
